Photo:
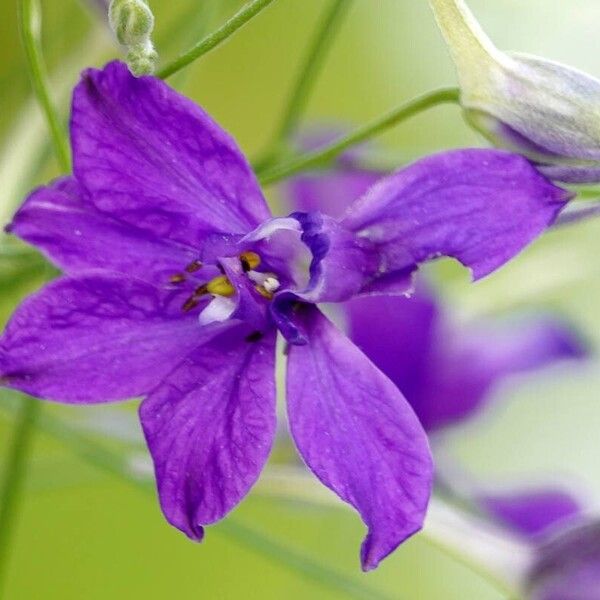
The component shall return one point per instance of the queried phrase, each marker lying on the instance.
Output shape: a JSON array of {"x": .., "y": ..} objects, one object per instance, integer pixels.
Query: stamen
[
  {"x": 220, "y": 286},
  {"x": 177, "y": 278},
  {"x": 190, "y": 303},
  {"x": 194, "y": 266},
  {"x": 264, "y": 292},
  {"x": 271, "y": 284},
  {"x": 201, "y": 290},
  {"x": 250, "y": 260}
]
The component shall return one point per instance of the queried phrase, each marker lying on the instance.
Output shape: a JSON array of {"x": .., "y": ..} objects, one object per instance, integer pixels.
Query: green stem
[
  {"x": 308, "y": 74},
  {"x": 323, "y": 155},
  {"x": 30, "y": 26},
  {"x": 16, "y": 462},
  {"x": 212, "y": 40},
  {"x": 14, "y": 476},
  {"x": 113, "y": 463}
]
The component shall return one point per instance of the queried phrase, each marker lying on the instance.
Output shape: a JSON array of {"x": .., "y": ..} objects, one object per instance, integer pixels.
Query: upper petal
[
  {"x": 61, "y": 221},
  {"x": 151, "y": 157},
  {"x": 210, "y": 426},
  {"x": 478, "y": 206},
  {"x": 95, "y": 337},
  {"x": 358, "y": 434}
]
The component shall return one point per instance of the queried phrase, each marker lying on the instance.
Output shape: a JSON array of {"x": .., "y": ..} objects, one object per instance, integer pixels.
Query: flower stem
[
  {"x": 212, "y": 40},
  {"x": 30, "y": 26},
  {"x": 307, "y": 76},
  {"x": 323, "y": 155},
  {"x": 14, "y": 475}
]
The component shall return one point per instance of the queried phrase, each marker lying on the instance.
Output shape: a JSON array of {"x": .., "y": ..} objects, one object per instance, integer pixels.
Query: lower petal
[
  {"x": 210, "y": 427},
  {"x": 358, "y": 435}
]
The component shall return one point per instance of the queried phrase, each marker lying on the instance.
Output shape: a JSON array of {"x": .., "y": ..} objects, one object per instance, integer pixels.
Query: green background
[{"x": 84, "y": 534}]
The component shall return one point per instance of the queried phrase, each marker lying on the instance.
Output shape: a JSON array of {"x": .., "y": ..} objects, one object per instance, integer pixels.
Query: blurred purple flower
[
  {"x": 178, "y": 278},
  {"x": 565, "y": 541},
  {"x": 446, "y": 372}
]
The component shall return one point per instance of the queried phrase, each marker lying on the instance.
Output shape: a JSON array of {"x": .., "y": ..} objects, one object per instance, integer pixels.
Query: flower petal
[
  {"x": 479, "y": 206},
  {"x": 397, "y": 334},
  {"x": 95, "y": 337},
  {"x": 531, "y": 512},
  {"x": 151, "y": 157},
  {"x": 358, "y": 435},
  {"x": 331, "y": 192},
  {"x": 76, "y": 236},
  {"x": 465, "y": 364},
  {"x": 210, "y": 426}
]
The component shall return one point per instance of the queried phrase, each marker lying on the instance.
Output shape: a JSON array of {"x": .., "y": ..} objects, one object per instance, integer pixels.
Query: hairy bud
[
  {"x": 132, "y": 22},
  {"x": 547, "y": 111}
]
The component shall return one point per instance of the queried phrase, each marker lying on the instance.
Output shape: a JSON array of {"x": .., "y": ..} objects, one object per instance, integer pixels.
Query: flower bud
[
  {"x": 141, "y": 59},
  {"x": 547, "y": 111},
  {"x": 131, "y": 20},
  {"x": 567, "y": 565}
]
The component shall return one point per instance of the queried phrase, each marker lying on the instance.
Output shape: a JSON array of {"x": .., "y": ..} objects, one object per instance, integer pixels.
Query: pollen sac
[
  {"x": 544, "y": 110},
  {"x": 220, "y": 286},
  {"x": 250, "y": 260}
]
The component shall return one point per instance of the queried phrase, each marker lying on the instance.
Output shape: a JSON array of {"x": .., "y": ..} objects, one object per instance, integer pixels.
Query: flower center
[{"x": 265, "y": 283}]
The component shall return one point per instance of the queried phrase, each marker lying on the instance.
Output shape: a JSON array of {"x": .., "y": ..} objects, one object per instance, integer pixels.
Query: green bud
[
  {"x": 141, "y": 59},
  {"x": 131, "y": 20},
  {"x": 547, "y": 111}
]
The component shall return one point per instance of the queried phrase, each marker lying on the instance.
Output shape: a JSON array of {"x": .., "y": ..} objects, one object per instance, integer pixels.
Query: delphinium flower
[
  {"x": 547, "y": 111},
  {"x": 563, "y": 535},
  {"x": 446, "y": 371},
  {"x": 177, "y": 280}
]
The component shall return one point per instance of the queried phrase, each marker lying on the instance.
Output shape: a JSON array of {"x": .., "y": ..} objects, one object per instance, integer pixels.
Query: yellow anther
[
  {"x": 220, "y": 286},
  {"x": 263, "y": 292},
  {"x": 250, "y": 260}
]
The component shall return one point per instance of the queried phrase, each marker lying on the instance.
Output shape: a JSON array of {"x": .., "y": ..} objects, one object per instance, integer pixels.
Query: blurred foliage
[{"x": 85, "y": 534}]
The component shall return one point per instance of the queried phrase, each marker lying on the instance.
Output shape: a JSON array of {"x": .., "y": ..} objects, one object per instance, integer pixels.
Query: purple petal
[
  {"x": 95, "y": 337},
  {"x": 210, "y": 426},
  {"x": 152, "y": 158},
  {"x": 76, "y": 236},
  {"x": 530, "y": 513},
  {"x": 358, "y": 435},
  {"x": 464, "y": 365},
  {"x": 397, "y": 334},
  {"x": 330, "y": 192},
  {"x": 478, "y": 206},
  {"x": 446, "y": 372}
]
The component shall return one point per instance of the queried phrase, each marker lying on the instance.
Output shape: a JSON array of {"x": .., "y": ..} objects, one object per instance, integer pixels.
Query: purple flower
[
  {"x": 565, "y": 541},
  {"x": 177, "y": 279},
  {"x": 446, "y": 372}
]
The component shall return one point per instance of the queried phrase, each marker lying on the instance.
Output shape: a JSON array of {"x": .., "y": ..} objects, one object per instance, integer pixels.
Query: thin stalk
[
  {"x": 30, "y": 26},
  {"x": 14, "y": 476},
  {"x": 308, "y": 74},
  {"x": 247, "y": 12},
  {"x": 16, "y": 462},
  {"x": 111, "y": 462},
  {"x": 323, "y": 155}
]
